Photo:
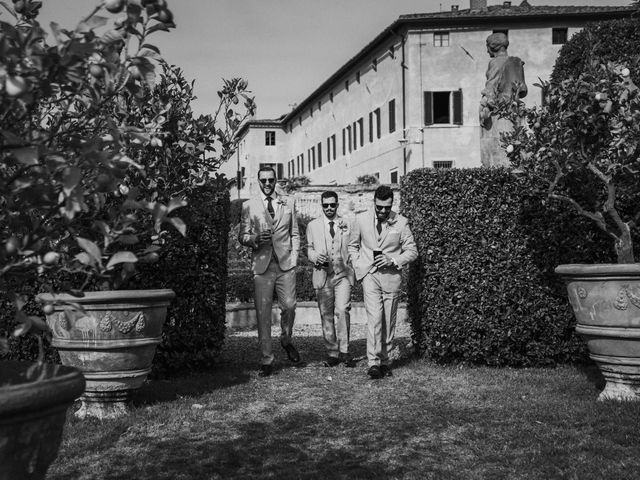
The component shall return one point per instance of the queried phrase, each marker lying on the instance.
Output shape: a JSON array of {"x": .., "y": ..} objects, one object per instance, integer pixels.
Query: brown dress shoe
[
  {"x": 374, "y": 372},
  {"x": 331, "y": 361},
  {"x": 292, "y": 353},
  {"x": 265, "y": 370}
]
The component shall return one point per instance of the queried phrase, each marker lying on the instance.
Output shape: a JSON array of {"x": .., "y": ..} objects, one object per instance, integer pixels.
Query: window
[
  {"x": 358, "y": 76},
  {"x": 333, "y": 146},
  {"x": 393, "y": 175},
  {"x": 559, "y": 36},
  {"x": 443, "y": 108},
  {"x": 392, "y": 51},
  {"x": 319, "y": 150},
  {"x": 311, "y": 111},
  {"x": 329, "y": 150},
  {"x": 376, "y": 114},
  {"x": 319, "y": 106},
  {"x": 361, "y": 131},
  {"x": 374, "y": 64},
  {"x": 371, "y": 127},
  {"x": 346, "y": 85},
  {"x": 443, "y": 164},
  {"x": 349, "y": 137},
  {"x": 441, "y": 39},
  {"x": 331, "y": 96},
  {"x": 344, "y": 141},
  {"x": 392, "y": 115},
  {"x": 269, "y": 137},
  {"x": 355, "y": 136}
]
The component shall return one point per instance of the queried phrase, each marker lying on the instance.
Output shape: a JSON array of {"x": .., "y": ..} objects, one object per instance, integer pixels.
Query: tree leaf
[
  {"x": 91, "y": 248},
  {"x": 71, "y": 177},
  {"x": 176, "y": 203},
  {"x": 178, "y": 224},
  {"x": 121, "y": 257},
  {"x": 27, "y": 155}
]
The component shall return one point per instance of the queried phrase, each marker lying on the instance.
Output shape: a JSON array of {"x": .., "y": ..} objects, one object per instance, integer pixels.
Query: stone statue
[{"x": 505, "y": 80}]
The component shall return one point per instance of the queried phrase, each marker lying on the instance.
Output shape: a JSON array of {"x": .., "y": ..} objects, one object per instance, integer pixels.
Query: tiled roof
[{"x": 524, "y": 9}]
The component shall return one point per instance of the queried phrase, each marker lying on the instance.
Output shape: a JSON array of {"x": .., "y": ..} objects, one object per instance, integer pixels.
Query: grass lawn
[{"x": 425, "y": 422}]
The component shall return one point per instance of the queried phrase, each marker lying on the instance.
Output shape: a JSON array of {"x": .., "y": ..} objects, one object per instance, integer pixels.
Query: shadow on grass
[
  {"x": 238, "y": 364},
  {"x": 592, "y": 374}
]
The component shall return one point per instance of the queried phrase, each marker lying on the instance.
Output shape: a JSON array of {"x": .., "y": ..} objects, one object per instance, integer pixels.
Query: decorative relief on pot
[
  {"x": 125, "y": 326},
  {"x": 63, "y": 322},
  {"x": 106, "y": 322},
  {"x": 626, "y": 295},
  {"x": 621, "y": 302},
  {"x": 634, "y": 298},
  {"x": 582, "y": 292}
]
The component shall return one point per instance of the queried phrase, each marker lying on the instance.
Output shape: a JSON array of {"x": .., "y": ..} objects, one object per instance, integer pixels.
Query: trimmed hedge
[
  {"x": 483, "y": 289},
  {"x": 195, "y": 268},
  {"x": 613, "y": 40}
]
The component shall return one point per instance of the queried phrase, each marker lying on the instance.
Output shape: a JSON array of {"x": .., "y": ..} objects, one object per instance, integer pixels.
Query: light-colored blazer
[
  {"x": 318, "y": 242},
  {"x": 396, "y": 241},
  {"x": 285, "y": 238}
]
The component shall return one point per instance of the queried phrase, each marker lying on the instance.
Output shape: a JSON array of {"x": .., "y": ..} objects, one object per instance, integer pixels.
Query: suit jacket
[
  {"x": 285, "y": 241},
  {"x": 319, "y": 241},
  {"x": 396, "y": 241}
]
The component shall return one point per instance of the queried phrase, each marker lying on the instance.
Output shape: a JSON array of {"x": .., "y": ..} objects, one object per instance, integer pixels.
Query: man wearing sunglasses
[
  {"x": 269, "y": 227},
  {"x": 381, "y": 244},
  {"x": 327, "y": 249}
]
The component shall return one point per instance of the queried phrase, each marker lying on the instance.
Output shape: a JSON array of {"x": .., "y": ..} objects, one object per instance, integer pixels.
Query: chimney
[
  {"x": 478, "y": 5},
  {"x": 506, "y": 4},
  {"x": 454, "y": 8}
]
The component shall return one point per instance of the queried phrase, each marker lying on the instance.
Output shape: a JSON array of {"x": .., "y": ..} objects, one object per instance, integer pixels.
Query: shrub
[
  {"x": 614, "y": 40},
  {"x": 194, "y": 267},
  {"x": 483, "y": 288}
]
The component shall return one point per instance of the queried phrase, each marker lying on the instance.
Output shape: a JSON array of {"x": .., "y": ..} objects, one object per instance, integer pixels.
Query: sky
[{"x": 284, "y": 48}]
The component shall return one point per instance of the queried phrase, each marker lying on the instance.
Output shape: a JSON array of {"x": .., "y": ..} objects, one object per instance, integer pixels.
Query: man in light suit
[
  {"x": 382, "y": 243},
  {"x": 333, "y": 277},
  {"x": 269, "y": 227}
]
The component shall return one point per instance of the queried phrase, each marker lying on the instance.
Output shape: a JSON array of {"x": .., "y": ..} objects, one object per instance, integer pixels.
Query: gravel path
[{"x": 241, "y": 346}]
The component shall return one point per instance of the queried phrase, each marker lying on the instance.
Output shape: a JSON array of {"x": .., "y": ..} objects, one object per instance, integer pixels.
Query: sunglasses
[
  {"x": 329, "y": 205},
  {"x": 267, "y": 180},
  {"x": 383, "y": 207}
]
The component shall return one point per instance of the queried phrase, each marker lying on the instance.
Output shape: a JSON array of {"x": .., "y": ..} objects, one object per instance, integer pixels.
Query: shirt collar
[
  {"x": 274, "y": 196},
  {"x": 326, "y": 220}
]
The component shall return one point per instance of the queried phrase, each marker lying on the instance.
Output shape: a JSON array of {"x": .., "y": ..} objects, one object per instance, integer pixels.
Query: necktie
[
  {"x": 331, "y": 230},
  {"x": 379, "y": 227},
  {"x": 270, "y": 207}
]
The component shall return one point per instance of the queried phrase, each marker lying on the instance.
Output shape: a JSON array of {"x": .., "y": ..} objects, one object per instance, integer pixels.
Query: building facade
[{"x": 409, "y": 99}]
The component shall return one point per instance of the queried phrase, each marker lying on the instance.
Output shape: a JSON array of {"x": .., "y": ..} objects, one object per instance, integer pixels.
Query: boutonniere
[
  {"x": 342, "y": 225},
  {"x": 392, "y": 221},
  {"x": 281, "y": 201}
]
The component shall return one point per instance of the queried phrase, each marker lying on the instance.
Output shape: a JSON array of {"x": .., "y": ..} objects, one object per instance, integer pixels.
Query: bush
[
  {"x": 483, "y": 289},
  {"x": 195, "y": 268},
  {"x": 614, "y": 40}
]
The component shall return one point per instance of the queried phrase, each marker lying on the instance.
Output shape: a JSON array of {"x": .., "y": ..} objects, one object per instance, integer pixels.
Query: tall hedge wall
[
  {"x": 483, "y": 288},
  {"x": 195, "y": 267}
]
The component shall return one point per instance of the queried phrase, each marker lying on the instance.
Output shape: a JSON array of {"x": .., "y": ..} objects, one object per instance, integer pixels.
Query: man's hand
[
  {"x": 322, "y": 260},
  {"x": 264, "y": 237},
  {"x": 383, "y": 260}
]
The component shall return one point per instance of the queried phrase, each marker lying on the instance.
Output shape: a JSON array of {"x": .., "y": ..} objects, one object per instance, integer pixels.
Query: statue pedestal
[{"x": 491, "y": 153}]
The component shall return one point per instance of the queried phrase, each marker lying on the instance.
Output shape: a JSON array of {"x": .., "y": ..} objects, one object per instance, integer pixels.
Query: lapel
[
  {"x": 261, "y": 210},
  {"x": 279, "y": 208}
]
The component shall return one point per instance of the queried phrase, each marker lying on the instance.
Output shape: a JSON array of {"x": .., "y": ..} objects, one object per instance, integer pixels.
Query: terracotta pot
[
  {"x": 606, "y": 302},
  {"x": 32, "y": 416},
  {"x": 112, "y": 340}
]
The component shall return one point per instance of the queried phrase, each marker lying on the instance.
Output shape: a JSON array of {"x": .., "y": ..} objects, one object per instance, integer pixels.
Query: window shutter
[
  {"x": 457, "y": 107},
  {"x": 428, "y": 108},
  {"x": 280, "y": 171}
]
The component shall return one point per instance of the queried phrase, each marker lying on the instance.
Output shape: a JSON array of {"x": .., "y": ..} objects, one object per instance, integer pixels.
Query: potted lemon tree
[
  {"x": 583, "y": 147},
  {"x": 63, "y": 213}
]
